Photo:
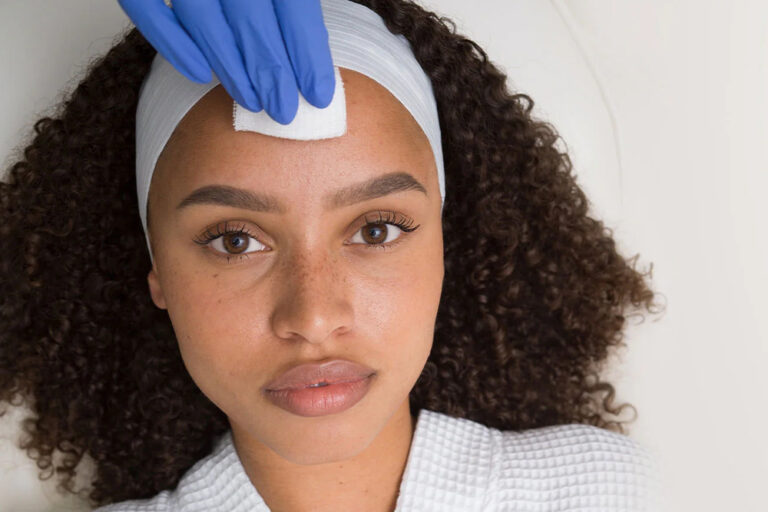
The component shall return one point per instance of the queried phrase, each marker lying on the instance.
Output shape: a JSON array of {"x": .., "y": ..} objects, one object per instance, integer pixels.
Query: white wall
[{"x": 664, "y": 108}]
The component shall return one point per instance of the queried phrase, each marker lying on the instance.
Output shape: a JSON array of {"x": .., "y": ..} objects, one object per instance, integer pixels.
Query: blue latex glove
[{"x": 259, "y": 49}]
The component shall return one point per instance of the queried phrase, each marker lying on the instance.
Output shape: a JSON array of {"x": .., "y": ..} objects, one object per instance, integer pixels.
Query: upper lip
[{"x": 330, "y": 372}]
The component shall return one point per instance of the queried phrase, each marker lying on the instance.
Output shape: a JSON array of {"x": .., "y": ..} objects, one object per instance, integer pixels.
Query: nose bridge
[
  {"x": 313, "y": 300},
  {"x": 310, "y": 268},
  {"x": 308, "y": 277}
]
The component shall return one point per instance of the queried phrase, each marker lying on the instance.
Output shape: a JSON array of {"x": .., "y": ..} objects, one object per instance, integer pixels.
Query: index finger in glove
[
  {"x": 257, "y": 33},
  {"x": 306, "y": 39}
]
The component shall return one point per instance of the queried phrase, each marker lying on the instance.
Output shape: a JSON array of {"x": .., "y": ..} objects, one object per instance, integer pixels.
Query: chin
[{"x": 327, "y": 441}]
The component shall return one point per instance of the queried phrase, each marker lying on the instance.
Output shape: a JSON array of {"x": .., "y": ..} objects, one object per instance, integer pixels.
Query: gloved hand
[{"x": 259, "y": 49}]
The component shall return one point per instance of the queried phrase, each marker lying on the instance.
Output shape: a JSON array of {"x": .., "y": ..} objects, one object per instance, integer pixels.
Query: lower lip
[{"x": 322, "y": 400}]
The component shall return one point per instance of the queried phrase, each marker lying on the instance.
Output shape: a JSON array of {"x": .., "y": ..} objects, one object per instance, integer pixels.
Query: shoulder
[
  {"x": 158, "y": 503},
  {"x": 576, "y": 465},
  {"x": 571, "y": 440}
]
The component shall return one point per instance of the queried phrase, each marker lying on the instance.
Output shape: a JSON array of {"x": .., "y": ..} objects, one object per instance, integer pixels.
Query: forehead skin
[{"x": 205, "y": 149}]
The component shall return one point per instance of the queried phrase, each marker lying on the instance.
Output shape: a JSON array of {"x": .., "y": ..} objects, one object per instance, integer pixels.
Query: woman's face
[{"x": 306, "y": 281}]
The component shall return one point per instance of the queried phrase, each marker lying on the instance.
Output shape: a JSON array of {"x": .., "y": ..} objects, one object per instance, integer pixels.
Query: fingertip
[
  {"x": 248, "y": 101},
  {"x": 321, "y": 90},
  {"x": 283, "y": 98},
  {"x": 253, "y": 106},
  {"x": 282, "y": 116},
  {"x": 244, "y": 95}
]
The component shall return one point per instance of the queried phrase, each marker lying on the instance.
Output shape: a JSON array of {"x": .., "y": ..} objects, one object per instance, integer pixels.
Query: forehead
[{"x": 381, "y": 137}]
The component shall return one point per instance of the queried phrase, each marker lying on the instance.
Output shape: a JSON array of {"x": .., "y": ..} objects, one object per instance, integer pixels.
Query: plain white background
[{"x": 663, "y": 107}]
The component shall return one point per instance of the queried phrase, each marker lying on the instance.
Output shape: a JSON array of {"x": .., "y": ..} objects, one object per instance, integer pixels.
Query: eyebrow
[{"x": 226, "y": 195}]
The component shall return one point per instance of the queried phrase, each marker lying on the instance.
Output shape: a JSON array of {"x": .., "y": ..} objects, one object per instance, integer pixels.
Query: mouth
[
  {"x": 321, "y": 384},
  {"x": 317, "y": 375},
  {"x": 321, "y": 398}
]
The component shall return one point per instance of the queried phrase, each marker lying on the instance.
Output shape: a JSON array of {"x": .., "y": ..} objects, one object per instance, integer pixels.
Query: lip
[
  {"x": 321, "y": 401},
  {"x": 336, "y": 371}
]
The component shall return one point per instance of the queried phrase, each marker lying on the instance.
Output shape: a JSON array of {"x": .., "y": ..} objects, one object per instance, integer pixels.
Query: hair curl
[{"x": 533, "y": 299}]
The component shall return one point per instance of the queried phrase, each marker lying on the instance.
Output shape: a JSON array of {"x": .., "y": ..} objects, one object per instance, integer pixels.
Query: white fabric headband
[{"x": 359, "y": 40}]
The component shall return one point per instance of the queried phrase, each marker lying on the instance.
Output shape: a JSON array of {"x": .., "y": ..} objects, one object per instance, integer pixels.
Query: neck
[{"x": 368, "y": 481}]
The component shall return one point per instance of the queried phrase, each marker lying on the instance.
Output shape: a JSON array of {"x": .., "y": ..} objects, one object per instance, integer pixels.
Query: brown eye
[
  {"x": 375, "y": 233},
  {"x": 378, "y": 233},
  {"x": 236, "y": 243}
]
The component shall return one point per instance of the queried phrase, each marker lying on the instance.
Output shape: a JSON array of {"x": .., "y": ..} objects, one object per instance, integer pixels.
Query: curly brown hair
[{"x": 534, "y": 295}]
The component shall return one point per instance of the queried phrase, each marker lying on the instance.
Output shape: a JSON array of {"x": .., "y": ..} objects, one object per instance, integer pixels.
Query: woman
[{"x": 480, "y": 329}]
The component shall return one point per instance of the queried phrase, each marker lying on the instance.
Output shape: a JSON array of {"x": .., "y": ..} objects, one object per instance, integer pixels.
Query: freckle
[{"x": 215, "y": 276}]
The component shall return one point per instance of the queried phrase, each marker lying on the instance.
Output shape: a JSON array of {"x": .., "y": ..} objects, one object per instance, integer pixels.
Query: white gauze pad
[{"x": 310, "y": 122}]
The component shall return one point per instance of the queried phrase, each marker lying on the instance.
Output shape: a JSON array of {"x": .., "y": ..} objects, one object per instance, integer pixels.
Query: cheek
[
  {"x": 400, "y": 311},
  {"x": 215, "y": 330}
]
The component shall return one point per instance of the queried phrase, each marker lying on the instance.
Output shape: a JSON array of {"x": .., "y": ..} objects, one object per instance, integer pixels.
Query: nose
[{"x": 313, "y": 298}]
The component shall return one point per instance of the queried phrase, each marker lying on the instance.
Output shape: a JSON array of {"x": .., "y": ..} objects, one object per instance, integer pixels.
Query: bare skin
[{"x": 310, "y": 285}]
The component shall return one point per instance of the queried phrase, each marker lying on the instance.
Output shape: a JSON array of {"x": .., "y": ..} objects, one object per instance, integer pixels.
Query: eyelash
[{"x": 404, "y": 223}]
